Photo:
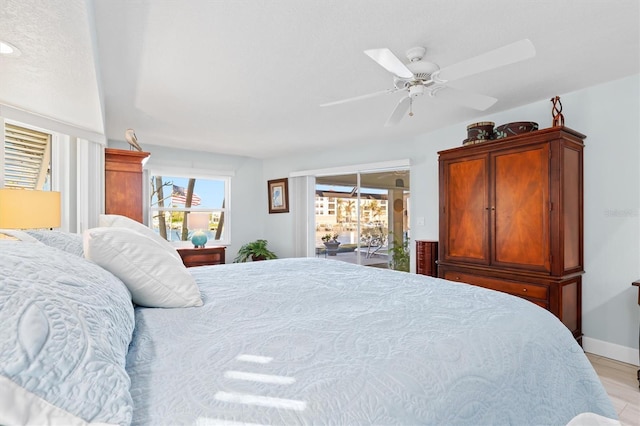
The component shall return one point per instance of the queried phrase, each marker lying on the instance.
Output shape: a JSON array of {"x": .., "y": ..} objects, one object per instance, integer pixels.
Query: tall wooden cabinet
[
  {"x": 123, "y": 192},
  {"x": 511, "y": 218}
]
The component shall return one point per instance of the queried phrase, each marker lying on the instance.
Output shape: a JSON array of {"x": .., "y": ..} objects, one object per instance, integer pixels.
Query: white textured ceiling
[
  {"x": 246, "y": 77},
  {"x": 55, "y": 76}
]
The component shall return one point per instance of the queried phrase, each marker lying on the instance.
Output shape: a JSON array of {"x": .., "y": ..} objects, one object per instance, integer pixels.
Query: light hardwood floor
[{"x": 619, "y": 380}]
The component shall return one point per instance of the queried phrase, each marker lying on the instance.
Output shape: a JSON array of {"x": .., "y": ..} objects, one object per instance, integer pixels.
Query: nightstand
[
  {"x": 202, "y": 256},
  {"x": 427, "y": 258}
]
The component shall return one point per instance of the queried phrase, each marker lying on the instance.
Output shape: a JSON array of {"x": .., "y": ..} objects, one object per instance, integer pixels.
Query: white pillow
[
  {"x": 109, "y": 220},
  {"x": 154, "y": 277}
]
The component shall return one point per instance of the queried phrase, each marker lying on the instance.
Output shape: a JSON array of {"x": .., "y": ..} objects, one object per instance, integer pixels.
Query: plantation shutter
[{"x": 27, "y": 155}]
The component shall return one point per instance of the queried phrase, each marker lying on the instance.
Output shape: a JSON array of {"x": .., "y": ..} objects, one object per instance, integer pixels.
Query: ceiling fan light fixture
[{"x": 416, "y": 90}]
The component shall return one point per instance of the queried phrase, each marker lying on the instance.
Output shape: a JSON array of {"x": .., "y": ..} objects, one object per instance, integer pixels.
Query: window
[
  {"x": 172, "y": 198},
  {"x": 27, "y": 158},
  {"x": 45, "y": 154}
]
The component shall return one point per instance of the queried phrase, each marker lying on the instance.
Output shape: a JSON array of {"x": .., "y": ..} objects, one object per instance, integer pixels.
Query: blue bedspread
[{"x": 316, "y": 341}]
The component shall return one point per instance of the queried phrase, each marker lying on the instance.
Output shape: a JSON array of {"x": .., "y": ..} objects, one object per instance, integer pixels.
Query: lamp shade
[
  {"x": 198, "y": 220},
  {"x": 27, "y": 209}
]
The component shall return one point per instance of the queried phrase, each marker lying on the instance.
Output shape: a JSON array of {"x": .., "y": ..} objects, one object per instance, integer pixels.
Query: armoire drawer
[{"x": 519, "y": 289}]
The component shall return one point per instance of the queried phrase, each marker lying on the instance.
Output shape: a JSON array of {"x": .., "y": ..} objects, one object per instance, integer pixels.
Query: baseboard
[{"x": 611, "y": 350}]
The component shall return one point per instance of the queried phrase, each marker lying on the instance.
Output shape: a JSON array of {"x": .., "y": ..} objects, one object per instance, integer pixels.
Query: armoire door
[
  {"x": 520, "y": 208},
  {"x": 464, "y": 204}
]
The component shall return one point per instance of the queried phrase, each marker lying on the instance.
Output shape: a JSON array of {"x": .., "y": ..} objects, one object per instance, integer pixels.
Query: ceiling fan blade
[
  {"x": 357, "y": 98},
  {"x": 509, "y": 54},
  {"x": 387, "y": 60},
  {"x": 401, "y": 109},
  {"x": 464, "y": 98}
]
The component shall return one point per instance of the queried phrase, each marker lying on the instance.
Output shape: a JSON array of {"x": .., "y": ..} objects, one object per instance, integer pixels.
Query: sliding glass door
[{"x": 365, "y": 213}]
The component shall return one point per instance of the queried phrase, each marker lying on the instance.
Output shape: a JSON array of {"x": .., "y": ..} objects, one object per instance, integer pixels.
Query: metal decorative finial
[{"x": 556, "y": 111}]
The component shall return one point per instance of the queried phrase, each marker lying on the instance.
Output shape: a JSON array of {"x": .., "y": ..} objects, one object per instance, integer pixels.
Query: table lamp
[
  {"x": 29, "y": 209},
  {"x": 197, "y": 222}
]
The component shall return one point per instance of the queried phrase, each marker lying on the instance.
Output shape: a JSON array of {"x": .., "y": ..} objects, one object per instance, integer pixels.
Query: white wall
[{"x": 609, "y": 115}]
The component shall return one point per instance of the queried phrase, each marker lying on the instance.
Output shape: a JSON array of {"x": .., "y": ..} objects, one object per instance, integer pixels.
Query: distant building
[{"x": 340, "y": 208}]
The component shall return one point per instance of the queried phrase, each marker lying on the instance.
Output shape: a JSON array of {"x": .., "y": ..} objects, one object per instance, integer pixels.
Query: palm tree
[
  {"x": 349, "y": 206},
  {"x": 339, "y": 209},
  {"x": 375, "y": 209}
]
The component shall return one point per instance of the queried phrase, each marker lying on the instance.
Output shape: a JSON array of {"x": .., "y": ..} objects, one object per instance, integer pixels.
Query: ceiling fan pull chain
[{"x": 410, "y": 106}]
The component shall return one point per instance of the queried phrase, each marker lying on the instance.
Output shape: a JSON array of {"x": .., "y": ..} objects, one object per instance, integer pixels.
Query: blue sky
[{"x": 210, "y": 191}]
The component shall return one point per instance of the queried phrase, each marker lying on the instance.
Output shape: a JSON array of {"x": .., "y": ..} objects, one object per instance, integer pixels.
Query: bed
[{"x": 288, "y": 341}]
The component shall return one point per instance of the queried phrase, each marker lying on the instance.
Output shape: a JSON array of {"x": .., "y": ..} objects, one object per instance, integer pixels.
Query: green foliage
[
  {"x": 328, "y": 237},
  {"x": 400, "y": 257},
  {"x": 257, "y": 250}
]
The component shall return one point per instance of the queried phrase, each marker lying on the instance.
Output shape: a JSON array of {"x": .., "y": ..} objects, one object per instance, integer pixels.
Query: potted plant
[
  {"x": 400, "y": 256},
  {"x": 256, "y": 250},
  {"x": 331, "y": 243}
]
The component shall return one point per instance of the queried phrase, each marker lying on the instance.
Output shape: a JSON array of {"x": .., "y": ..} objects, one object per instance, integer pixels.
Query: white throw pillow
[
  {"x": 153, "y": 276},
  {"x": 114, "y": 220}
]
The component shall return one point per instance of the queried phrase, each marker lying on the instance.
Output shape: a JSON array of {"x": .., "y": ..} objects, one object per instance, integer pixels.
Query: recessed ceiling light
[{"x": 8, "y": 49}]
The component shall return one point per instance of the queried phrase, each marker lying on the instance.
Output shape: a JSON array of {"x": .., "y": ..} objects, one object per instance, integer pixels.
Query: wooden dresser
[
  {"x": 426, "y": 258},
  {"x": 511, "y": 218},
  {"x": 123, "y": 182}
]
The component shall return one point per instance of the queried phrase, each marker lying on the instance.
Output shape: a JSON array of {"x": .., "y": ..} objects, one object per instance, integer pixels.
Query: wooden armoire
[
  {"x": 511, "y": 218},
  {"x": 123, "y": 192}
]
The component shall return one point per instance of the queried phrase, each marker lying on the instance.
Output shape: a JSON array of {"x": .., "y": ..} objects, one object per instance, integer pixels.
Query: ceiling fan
[{"x": 419, "y": 76}]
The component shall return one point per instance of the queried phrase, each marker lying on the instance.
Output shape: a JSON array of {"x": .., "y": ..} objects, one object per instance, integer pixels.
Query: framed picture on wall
[{"x": 278, "y": 195}]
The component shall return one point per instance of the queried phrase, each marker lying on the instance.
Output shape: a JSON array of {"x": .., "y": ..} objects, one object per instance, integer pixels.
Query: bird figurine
[{"x": 131, "y": 137}]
